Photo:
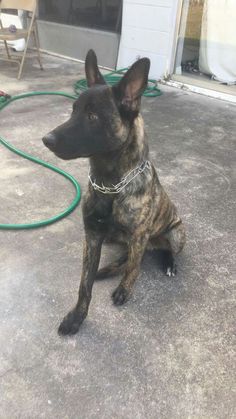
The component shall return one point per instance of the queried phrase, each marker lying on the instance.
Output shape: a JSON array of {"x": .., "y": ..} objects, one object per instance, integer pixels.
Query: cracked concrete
[{"x": 170, "y": 351}]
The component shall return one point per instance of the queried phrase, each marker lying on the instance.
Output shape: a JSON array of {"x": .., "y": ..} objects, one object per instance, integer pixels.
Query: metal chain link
[{"x": 115, "y": 189}]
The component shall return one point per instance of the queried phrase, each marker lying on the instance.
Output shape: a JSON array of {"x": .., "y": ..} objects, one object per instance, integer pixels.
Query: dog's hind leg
[
  {"x": 113, "y": 269},
  {"x": 170, "y": 244},
  {"x": 161, "y": 244},
  {"x": 168, "y": 263},
  {"x": 176, "y": 239}
]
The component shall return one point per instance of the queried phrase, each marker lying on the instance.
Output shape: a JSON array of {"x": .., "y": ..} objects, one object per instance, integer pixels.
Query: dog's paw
[
  {"x": 71, "y": 323},
  {"x": 120, "y": 295},
  {"x": 169, "y": 266},
  {"x": 171, "y": 270}
]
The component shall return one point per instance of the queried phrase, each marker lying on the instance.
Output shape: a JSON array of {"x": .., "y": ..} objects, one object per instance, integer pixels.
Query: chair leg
[
  {"x": 23, "y": 57},
  {"x": 7, "y": 50},
  {"x": 36, "y": 39},
  {"x": 22, "y": 62}
]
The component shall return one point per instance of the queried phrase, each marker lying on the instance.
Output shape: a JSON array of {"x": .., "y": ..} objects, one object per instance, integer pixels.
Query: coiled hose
[{"x": 74, "y": 203}]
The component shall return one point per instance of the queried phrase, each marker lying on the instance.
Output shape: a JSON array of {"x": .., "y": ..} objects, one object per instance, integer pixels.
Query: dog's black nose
[{"x": 50, "y": 141}]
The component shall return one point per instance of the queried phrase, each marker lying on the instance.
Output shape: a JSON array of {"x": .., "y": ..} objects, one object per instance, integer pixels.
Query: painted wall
[{"x": 148, "y": 30}]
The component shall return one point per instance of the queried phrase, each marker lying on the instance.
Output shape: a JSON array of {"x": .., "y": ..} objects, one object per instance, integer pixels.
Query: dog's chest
[{"x": 118, "y": 216}]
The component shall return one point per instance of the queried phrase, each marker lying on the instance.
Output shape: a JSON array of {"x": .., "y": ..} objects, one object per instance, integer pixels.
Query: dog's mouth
[{"x": 63, "y": 156}]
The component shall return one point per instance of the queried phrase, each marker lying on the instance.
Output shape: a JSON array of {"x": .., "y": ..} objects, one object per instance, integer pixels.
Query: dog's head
[{"x": 102, "y": 115}]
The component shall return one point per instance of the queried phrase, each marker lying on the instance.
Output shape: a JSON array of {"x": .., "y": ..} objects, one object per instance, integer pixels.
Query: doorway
[{"x": 206, "y": 45}]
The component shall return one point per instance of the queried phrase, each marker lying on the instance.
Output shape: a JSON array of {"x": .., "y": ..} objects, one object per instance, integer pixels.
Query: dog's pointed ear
[
  {"x": 131, "y": 87},
  {"x": 93, "y": 74}
]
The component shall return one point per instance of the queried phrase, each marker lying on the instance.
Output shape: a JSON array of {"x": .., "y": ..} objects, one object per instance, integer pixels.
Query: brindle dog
[{"x": 106, "y": 126}]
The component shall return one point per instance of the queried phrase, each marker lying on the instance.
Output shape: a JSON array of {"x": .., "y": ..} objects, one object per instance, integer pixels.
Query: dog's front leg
[
  {"x": 136, "y": 250},
  {"x": 91, "y": 257}
]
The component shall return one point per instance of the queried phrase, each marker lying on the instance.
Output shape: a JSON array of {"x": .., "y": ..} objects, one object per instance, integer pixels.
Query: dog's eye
[{"x": 92, "y": 116}]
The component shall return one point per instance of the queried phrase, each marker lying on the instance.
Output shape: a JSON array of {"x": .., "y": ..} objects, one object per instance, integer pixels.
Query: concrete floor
[{"x": 170, "y": 351}]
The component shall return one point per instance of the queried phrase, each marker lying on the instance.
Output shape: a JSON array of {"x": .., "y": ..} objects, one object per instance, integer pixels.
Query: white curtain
[{"x": 218, "y": 40}]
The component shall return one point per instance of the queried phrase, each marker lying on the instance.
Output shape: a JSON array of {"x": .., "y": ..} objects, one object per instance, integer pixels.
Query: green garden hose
[
  {"x": 113, "y": 78},
  {"x": 79, "y": 86},
  {"x": 5, "y": 101}
]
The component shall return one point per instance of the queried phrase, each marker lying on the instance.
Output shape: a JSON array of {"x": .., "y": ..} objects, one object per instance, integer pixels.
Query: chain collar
[{"x": 115, "y": 189}]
